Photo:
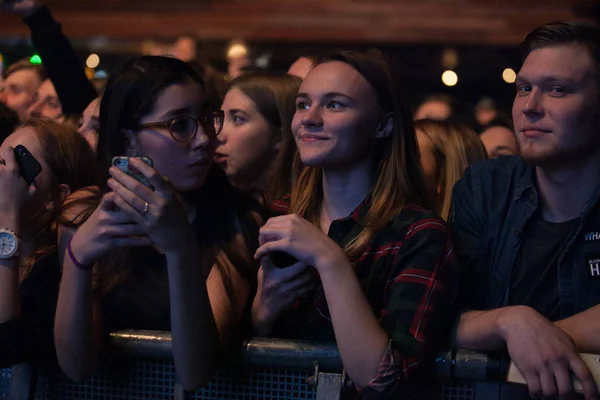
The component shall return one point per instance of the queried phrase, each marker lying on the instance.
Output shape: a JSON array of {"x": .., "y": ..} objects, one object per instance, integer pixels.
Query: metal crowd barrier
[{"x": 264, "y": 369}]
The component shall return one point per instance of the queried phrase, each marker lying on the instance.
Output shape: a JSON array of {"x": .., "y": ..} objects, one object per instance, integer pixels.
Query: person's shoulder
[
  {"x": 494, "y": 179},
  {"x": 496, "y": 167}
]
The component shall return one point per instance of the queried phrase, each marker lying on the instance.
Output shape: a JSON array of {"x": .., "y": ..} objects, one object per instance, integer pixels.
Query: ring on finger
[{"x": 146, "y": 205}]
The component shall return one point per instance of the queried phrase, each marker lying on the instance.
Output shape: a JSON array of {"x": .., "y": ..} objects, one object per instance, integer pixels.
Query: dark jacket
[
  {"x": 491, "y": 205},
  {"x": 61, "y": 64}
]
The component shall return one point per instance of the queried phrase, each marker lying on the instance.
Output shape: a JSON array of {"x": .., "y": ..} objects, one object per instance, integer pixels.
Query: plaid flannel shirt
[{"x": 409, "y": 276}]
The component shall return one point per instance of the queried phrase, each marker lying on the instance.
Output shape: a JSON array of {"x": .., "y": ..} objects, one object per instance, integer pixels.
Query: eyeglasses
[{"x": 183, "y": 129}]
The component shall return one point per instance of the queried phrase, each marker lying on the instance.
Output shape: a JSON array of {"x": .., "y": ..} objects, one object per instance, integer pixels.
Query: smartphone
[
  {"x": 28, "y": 165},
  {"x": 123, "y": 164},
  {"x": 282, "y": 259}
]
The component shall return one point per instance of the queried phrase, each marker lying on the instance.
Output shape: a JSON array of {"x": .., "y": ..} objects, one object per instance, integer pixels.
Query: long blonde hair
[
  {"x": 455, "y": 148},
  {"x": 399, "y": 178}
]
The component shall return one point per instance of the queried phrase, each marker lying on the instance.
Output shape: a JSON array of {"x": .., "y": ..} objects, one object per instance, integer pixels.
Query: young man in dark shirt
[{"x": 527, "y": 229}]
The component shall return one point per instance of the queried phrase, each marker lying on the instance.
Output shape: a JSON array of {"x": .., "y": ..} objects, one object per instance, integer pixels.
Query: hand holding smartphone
[
  {"x": 30, "y": 167},
  {"x": 282, "y": 259},
  {"x": 122, "y": 163}
]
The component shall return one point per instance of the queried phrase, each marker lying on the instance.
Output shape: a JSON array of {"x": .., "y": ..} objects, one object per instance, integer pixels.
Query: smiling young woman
[{"x": 386, "y": 271}]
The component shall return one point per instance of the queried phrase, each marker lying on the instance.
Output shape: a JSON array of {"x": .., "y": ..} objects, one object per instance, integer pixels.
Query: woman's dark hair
[
  {"x": 582, "y": 33},
  {"x": 9, "y": 120},
  {"x": 274, "y": 95},
  {"x": 215, "y": 83},
  {"x": 71, "y": 162},
  {"x": 399, "y": 180},
  {"x": 229, "y": 216},
  {"x": 130, "y": 94}
]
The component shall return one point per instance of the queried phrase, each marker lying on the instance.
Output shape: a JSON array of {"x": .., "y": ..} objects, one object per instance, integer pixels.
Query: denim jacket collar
[{"x": 526, "y": 183}]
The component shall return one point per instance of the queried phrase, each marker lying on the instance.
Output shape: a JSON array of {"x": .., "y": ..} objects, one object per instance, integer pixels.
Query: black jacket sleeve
[
  {"x": 13, "y": 343},
  {"x": 62, "y": 65},
  {"x": 30, "y": 338}
]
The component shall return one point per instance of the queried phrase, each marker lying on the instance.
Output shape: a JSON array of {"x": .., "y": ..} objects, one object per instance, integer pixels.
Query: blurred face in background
[
  {"x": 434, "y": 109},
  {"x": 247, "y": 144},
  {"x": 47, "y": 104},
  {"x": 237, "y": 64},
  {"x": 185, "y": 48},
  {"x": 301, "y": 67},
  {"x": 20, "y": 90},
  {"x": 499, "y": 141},
  {"x": 485, "y": 115}
]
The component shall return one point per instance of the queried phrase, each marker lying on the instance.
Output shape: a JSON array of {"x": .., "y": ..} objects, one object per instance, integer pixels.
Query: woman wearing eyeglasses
[{"x": 176, "y": 256}]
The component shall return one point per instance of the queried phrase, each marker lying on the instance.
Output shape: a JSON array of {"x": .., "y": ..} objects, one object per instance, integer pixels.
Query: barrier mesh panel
[
  {"x": 457, "y": 391},
  {"x": 133, "y": 379},
  {"x": 4, "y": 382},
  {"x": 258, "y": 383},
  {"x": 154, "y": 379}
]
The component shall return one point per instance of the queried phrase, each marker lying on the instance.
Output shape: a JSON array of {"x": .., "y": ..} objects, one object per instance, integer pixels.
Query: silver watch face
[{"x": 8, "y": 243}]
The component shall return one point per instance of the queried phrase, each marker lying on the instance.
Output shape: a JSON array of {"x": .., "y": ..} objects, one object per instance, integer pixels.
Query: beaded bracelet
[{"x": 74, "y": 260}]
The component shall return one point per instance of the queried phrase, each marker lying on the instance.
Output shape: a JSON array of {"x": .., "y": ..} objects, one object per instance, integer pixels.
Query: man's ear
[{"x": 386, "y": 126}]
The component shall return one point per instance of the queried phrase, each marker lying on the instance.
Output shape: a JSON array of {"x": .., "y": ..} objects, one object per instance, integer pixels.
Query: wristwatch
[{"x": 10, "y": 245}]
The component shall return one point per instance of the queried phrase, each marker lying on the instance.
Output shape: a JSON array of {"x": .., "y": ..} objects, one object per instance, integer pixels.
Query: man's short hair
[
  {"x": 25, "y": 64},
  {"x": 582, "y": 33}
]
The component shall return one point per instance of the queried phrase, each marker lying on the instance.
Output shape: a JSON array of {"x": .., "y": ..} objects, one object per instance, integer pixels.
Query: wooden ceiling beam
[{"x": 503, "y": 22}]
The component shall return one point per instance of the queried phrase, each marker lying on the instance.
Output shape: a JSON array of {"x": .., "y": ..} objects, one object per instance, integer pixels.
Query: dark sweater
[
  {"x": 62, "y": 65},
  {"x": 30, "y": 337}
]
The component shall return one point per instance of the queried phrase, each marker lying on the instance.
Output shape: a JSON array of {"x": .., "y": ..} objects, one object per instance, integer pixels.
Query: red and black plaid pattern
[{"x": 409, "y": 276}]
